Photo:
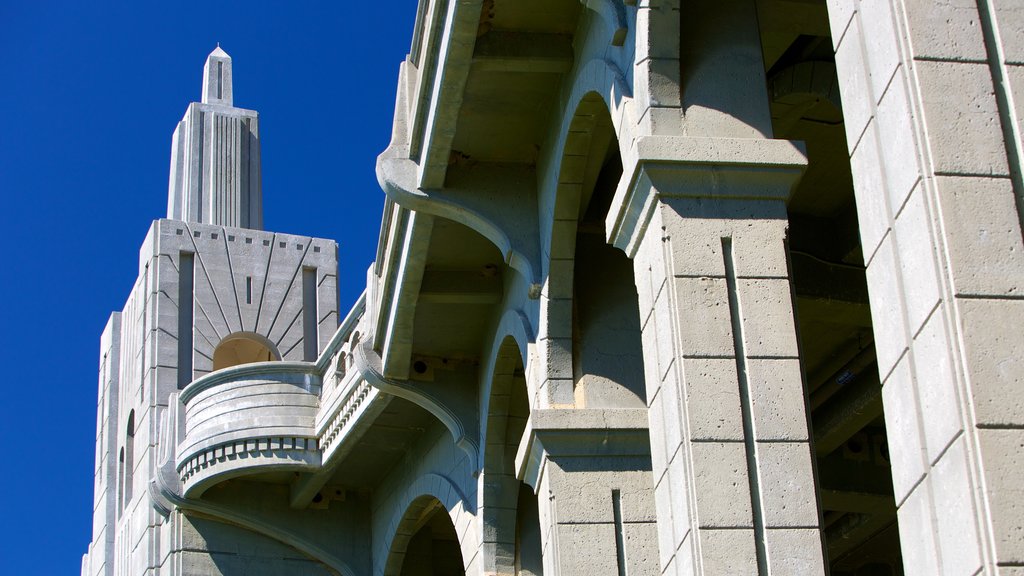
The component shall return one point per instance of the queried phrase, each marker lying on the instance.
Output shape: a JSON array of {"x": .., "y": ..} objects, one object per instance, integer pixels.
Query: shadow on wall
[
  {"x": 244, "y": 348},
  {"x": 234, "y": 551}
]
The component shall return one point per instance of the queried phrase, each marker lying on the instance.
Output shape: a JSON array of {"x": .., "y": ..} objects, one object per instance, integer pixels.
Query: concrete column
[
  {"x": 928, "y": 95},
  {"x": 590, "y": 470},
  {"x": 656, "y": 71},
  {"x": 729, "y": 387},
  {"x": 704, "y": 218},
  {"x": 733, "y": 476},
  {"x": 723, "y": 77}
]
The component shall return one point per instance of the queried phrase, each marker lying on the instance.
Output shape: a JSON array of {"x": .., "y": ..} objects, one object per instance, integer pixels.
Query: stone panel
[
  {"x": 946, "y": 30},
  {"x": 936, "y": 386},
  {"x": 869, "y": 189},
  {"x": 914, "y": 247},
  {"x": 957, "y": 517},
  {"x": 787, "y": 485},
  {"x": 728, "y": 552},
  {"x": 713, "y": 399},
  {"x": 721, "y": 485},
  {"x": 1002, "y": 454},
  {"x": 703, "y": 311},
  {"x": 777, "y": 399},
  {"x": 916, "y": 517},
  {"x": 902, "y": 424},
  {"x": 982, "y": 234},
  {"x": 794, "y": 552},
  {"x": 964, "y": 133},
  {"x": 887, "y": 316},
  {"x": 994, "y": 354}
]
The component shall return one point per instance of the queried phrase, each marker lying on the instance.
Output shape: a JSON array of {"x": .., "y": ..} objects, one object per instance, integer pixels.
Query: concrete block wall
[{"x": 934, "y": 136}]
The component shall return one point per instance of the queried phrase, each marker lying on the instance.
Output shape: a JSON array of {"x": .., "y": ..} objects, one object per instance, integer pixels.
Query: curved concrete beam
[
  {"x": 509, "y": 226},
  {"x": 513, "y": 323},
  {"x": 455, "y": 409}
]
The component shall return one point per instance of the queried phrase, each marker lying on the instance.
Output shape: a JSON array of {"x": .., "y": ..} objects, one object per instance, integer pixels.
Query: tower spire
[
  {"x": 215, "y": 156},
  {"x": 217, "y": 78}
]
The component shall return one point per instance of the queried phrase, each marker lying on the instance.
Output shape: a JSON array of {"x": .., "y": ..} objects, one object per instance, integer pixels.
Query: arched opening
[
  {"x": 243, "y": 348},
  {"x": 510, "y": 503},
  {"x": 433, "y": 549},
  {"x": 607, "y": 354},
  {"x": 126, "y": 464}
]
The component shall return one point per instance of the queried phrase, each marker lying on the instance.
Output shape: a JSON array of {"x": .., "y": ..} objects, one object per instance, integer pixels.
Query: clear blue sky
[{"x": 90, "y": 94}]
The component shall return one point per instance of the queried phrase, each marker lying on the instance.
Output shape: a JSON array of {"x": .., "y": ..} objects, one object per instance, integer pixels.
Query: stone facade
[{"x": 717, "y": 288}]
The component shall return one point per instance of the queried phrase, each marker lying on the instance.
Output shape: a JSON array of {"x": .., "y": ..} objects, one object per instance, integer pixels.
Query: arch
[
  {"x": 126, "y": 465},
  {"x": 504, "y": 227},
  {"x": 426, "y": 496},
  {"x": 604, "y": 79},
  {"x": 508, "y": 399},
  {"x": 244, "y": 348},
  {"x": 430, "y": 544},
  {"x": 613, "y": 13},
  {"x": 592, "y": 301},
  {"x": 514, "y": 325},
  {"x": 511, "y": 522}
]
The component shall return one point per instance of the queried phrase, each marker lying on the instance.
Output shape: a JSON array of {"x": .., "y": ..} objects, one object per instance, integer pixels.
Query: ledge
[
  {"x": 751, "y": 169},
  {"x": 581, "y": 433}
]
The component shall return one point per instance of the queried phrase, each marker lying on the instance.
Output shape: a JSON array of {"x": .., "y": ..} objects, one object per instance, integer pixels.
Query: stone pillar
[
  {"x": 590, "y": 469},
  {"x": 701, "y": 210},
  {"x": 928, "y": 95},
  {"x": 705, "y": 221}
]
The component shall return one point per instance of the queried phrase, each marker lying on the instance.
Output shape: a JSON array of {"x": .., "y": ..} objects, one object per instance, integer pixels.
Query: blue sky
[{"x": 91, "y": 94}]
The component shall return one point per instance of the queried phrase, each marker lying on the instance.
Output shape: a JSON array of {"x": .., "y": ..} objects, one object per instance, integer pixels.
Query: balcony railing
[
  {"x": 249, "y": 419},
  {"x": 346, "y": 397}
]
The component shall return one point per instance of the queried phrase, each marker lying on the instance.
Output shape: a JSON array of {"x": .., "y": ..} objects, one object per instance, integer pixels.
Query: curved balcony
[{"x": 248, "y": 419}]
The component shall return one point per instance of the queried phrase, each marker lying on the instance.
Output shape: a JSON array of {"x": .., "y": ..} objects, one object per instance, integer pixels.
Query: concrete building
[{"x": 719, "y": 288}]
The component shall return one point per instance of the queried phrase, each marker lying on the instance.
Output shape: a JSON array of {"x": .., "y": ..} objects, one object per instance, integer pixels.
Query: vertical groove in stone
[
  {"x": 243, "y": 175},
  {"x": 142, "y": 351},
  {"x": 620, "y": 536},
  {"x": 186, "y": 269},
  {"x": 201, "y": 180},
  {"x": 310, "y": 341},
  {"x": 263, "y": 290},
  {"x": 749, "y": 441},
  {"x": 1004, "y": 102}
]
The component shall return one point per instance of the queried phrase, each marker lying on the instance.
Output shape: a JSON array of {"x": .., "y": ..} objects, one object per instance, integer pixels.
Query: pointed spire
[
  {"x": 217, "y": 78},
  {"x": 215, "y": 156}
]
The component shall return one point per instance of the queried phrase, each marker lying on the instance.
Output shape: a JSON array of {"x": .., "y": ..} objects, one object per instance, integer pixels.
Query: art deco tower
[
  {"x": 215, "y": 156},
  {"x": 214, "y": 291}
]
